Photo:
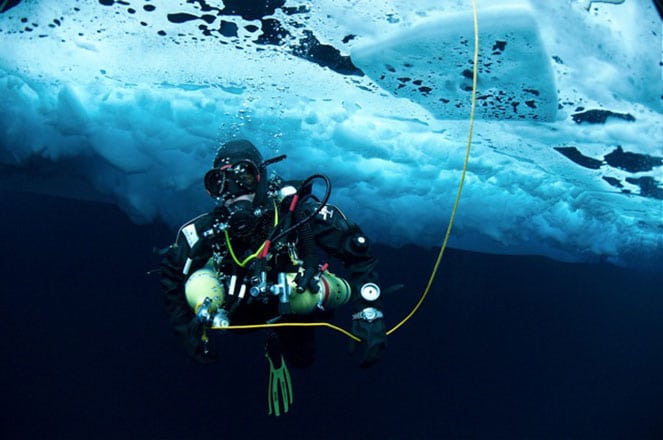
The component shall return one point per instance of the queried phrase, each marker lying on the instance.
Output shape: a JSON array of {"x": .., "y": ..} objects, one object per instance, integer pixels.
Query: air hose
[{"x": 315, "y": 212}]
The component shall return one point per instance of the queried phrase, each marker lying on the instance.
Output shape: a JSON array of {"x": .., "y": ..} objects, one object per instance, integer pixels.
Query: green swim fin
[{"x": 279, "y": 388}]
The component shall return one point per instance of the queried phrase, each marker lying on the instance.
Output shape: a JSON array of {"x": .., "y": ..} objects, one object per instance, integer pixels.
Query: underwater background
[
  {"x": 114, "y": 108},
  {"x": 503, "y": 347}
]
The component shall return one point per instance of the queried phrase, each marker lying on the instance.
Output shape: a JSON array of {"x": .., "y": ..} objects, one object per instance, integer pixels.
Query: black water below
[{"x": 504, "y": 347}]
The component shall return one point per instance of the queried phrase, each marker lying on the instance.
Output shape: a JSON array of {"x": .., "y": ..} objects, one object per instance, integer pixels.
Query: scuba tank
[
  {"x": 205, "y": 295},
  {"x": 333, "y": 292}
]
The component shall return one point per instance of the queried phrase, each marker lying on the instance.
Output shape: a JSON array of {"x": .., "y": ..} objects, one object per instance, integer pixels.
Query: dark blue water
[{"x": 504, "y": 347}]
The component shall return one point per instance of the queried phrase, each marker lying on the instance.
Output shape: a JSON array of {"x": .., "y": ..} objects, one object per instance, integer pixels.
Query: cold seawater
[{"x": 504, "y": 346}]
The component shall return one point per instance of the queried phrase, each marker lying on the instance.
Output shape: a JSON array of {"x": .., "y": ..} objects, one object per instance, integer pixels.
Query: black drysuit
[{"x": 330, "y": 232}]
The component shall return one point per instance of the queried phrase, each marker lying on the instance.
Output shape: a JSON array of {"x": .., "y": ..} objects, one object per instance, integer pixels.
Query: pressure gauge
[{"x": 370, "y": 291}]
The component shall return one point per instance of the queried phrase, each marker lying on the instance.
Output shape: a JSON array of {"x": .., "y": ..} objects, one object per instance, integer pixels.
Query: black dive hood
[{"x": 239, "y": 169}]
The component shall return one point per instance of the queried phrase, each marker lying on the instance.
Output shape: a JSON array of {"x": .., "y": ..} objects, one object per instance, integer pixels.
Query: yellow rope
[
  {"x": 289, "y": 324},
  {"x": 446, "y": 236},
  {"x": 462, "y": 177}
]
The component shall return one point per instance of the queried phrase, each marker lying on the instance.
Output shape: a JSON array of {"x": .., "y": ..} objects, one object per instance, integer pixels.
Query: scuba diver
[{"x": 262, "y": 255}]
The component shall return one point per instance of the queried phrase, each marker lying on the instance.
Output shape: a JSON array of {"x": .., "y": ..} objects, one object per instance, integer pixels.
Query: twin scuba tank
[{"x": 205, "y": 294}]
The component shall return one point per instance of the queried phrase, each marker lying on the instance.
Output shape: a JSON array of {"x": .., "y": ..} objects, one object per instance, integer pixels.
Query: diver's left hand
[
  {"x": 195, "y": 345},
  {"x": 373, "y": 338}
]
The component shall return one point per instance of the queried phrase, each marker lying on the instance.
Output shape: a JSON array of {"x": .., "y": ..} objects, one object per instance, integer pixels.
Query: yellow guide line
[{"x": 446, "y": 236}]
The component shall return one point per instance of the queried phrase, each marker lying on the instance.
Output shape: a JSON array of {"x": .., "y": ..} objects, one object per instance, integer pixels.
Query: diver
[{"x": 264, "y": 254}]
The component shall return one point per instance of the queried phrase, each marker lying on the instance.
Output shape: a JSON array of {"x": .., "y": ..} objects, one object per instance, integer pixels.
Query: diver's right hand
[
  {"x": 373, "y": 337},
  {"x": 196, "y": 346}
]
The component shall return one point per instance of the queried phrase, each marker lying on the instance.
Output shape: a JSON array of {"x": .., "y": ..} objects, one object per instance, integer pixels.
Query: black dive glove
[
  {"x": 196, "y": 346},
  {"x": 373, "y": 336}
]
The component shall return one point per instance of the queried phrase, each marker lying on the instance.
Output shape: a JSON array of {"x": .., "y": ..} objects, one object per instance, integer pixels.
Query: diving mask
[{"x": 233, "y": 180}]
